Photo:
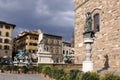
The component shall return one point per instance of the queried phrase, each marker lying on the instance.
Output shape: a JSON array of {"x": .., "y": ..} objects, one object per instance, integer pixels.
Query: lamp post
[{"x": 88, "y": 40}]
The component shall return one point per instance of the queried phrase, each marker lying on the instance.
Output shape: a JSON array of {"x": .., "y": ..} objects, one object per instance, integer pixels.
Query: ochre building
[
  {"x": 6, "y": 30},
  {"x": 106, "y": 25}
]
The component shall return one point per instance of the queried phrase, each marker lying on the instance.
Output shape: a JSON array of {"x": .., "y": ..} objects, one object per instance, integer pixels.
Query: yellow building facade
[{"x": 6, "y": 30}]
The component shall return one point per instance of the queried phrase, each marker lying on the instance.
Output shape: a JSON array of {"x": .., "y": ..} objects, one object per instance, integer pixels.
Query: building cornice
[{"x": 13, "y": 25}]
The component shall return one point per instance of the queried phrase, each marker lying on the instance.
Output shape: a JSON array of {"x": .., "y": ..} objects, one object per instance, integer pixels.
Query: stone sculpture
[{"x": 88, "y": 33}]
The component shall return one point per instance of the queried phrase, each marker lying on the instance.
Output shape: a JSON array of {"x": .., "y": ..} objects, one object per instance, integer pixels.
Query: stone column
[{"x": 88, "y": 64}]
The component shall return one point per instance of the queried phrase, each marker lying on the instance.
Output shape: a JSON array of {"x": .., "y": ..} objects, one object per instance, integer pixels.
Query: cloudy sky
[{"x": 52, "y": 16}]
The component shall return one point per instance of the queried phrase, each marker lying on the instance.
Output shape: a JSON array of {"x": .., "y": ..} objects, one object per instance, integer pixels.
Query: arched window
[
  {"x": 96, "y": 22},
  {"x": 7, "y": 34},
  {"x": 6, "y": 41}
]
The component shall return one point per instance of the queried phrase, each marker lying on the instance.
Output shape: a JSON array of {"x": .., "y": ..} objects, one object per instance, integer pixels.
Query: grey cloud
[{"x": 53, "y": 16}]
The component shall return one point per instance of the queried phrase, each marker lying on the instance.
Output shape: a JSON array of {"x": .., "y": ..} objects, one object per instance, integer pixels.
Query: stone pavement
[{"x": 5, "y": 76}]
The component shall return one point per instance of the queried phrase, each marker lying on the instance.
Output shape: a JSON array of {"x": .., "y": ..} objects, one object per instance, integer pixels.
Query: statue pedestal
[
  {"x": 87, "y": 66},
  {"x": 45, "y": 58}
]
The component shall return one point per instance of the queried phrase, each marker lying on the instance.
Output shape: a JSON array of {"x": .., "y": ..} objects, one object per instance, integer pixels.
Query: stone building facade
[
  {"x": 6, "y": 30},
  {"x": 106, "y": 25},
  {"x": 28, "y": 41}
]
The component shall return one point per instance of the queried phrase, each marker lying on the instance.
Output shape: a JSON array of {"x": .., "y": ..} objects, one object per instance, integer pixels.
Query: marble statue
[
  {"x": 40, "y": 42},
  {"x": 40, "y": 36},
  {"x": 43, "y": 55}
]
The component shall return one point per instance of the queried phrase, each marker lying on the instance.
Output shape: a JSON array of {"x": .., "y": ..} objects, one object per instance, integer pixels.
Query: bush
[
  {"x": 5, "y": 67},
  {"x": 31, "y": 68},
  {"x": 39, "y": 68},
  {"x": 57, "y": 73},
  {"x": 15, "y": 68},
  {"x": 46, "y": 70},
  {"x": 110, "y": 76},
  {"x": 74, "y": 74},
  {"x": 24, "y": 69},
  {"x": 66, "y": 75},
  {"x": 90, "y": 76}
]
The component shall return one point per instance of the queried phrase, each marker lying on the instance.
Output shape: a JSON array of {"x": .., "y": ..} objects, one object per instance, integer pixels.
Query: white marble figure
[
  {"x": 40, "y": 44},
  {"x": 40, "y": 36},
  {"x": 43, "y": 56}
]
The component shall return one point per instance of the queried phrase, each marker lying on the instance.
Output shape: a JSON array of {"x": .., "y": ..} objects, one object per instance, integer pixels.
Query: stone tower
[{"x": 106, "y": 25}]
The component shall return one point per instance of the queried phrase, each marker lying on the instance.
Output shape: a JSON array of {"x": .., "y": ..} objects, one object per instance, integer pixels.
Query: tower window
[{"x": 96, "y": 22}]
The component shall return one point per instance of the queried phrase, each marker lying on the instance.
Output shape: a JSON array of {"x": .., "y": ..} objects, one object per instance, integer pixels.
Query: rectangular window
[
  {"x": 0, "y": 40},
  {"x": 1, "y": 26},
  {"x": 7, "y": 27},
  {"x": 6, "y": 47},
  {"x": 0, "y": 46},
  {"x": 0, "y": 33},
  {"x": 96, "y": 23}
]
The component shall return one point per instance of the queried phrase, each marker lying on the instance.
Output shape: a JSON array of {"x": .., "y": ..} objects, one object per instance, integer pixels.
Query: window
[
  {"x": 96, "y": 23},
  {"x": 6, "y": 41},
  {"x": 1, "y": 26},
  {"x": 0, "y": 46},
  {"x": 7, "y": 34},
  {"x": 63, "y": 51},
  {"x": 33, "y": 44},
  {"x": 6, "y": 47},
  {"x": 0, "y": 40},
  {"x": 0, "y": 33},
  {"x": 7, "y": 27}
]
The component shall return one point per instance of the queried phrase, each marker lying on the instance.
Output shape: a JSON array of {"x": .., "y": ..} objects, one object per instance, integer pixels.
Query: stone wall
[{"x": 107, "y": 40}]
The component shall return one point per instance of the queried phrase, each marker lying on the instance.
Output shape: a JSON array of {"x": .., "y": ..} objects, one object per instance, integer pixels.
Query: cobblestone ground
[{"x": 4, "y": 76}]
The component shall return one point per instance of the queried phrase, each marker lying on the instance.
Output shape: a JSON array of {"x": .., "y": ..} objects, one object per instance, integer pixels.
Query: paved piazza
[{"x": 4, "y": 76}]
